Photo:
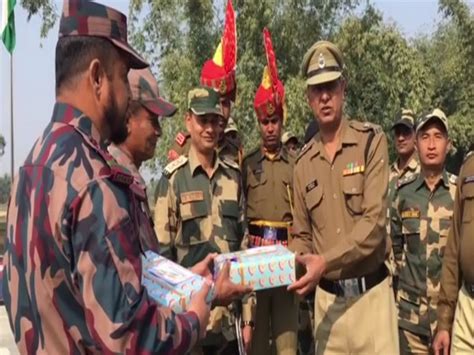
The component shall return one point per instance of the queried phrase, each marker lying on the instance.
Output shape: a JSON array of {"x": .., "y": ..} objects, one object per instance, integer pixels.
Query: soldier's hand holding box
[
  {"x": 170, "y": 284},
  {"x": 260, "y": 267}
]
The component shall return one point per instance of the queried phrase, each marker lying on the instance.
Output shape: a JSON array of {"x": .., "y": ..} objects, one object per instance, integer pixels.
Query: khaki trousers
[
  {"x": 462, "y": 338},
  {"x": 276, "y": 316},
  {"x": 358, "y": 325}
]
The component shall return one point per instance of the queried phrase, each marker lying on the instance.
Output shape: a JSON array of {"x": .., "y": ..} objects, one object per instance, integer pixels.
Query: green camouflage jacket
[
  {"x": 420, "y": 222},
  {"x": 196, "y": 215},
  {"x": 72, "y": 281}
]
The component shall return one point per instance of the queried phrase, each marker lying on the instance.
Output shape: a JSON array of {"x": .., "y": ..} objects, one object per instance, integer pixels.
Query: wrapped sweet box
[
  {"x": 170, "y": 284},
  {"x": 261, "y": 267}
]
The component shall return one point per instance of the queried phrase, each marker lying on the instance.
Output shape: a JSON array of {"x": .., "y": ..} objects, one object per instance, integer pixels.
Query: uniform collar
[
  {"x": 347, "y": 138},
  {"x": 412, "y": 164},
  {"x": 444, "y": 180},
  {"x": 281, "y": 154},
  {"x": 194, "y": 163},
  {"x": 67, "y": 114}
]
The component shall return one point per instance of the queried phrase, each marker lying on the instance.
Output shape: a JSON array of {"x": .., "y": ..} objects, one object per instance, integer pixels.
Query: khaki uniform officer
[
  {"x": 340, "y": 190},
  {"x": 456, "y": 298},
  {"x": 267, "y": 174}
]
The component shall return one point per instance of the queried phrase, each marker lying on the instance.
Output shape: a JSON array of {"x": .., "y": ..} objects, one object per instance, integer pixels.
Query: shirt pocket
[
  {"x": 468, "y": 203},
  {"x": 233, "y": 231},
  {"x": 256, "y": 183},
  {"x": 353, "y": 188},
  {"x": 192, "y": 215},
  {"x": 314, "y": 205},
  {"x": 411, "y": 234}
]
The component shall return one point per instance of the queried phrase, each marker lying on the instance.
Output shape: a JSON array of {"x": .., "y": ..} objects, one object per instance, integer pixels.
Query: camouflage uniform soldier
[
  {"x": 340, "y": 194},
  {"x": 421, "y": 220},
  {"x": 218, "y": 74},
  {"x": 199, "y": 208},
  {"x": 406, "y": 163},
  {"x": 73, "y": 256},
  {"x": 456, "y": 297},
  {"x": 290, "y": 140},
  {"x": 267, "y": 176}
]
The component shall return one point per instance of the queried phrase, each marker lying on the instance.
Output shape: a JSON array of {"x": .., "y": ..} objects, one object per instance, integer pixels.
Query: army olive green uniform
[
  {"x": 456, "y": 298},
  {"x": 340, "y": 214},
  {"x": 268, "y": 186},
  {"x": 420, "y": 223},
  {"x": 196, "y": 215}
]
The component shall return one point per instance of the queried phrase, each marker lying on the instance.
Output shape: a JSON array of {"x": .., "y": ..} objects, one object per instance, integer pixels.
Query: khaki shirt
[
  {"x": 268, "y": 185},
  {"x": 340, "y": 207},
  {"x": 459, "y": 252}
]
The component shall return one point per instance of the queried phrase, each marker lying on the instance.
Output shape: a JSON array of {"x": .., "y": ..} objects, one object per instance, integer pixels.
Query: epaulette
[
  {"x": 118, "y": 173},
  {"x": 452, "y": 179},
  {"x": 406, "y": 180},
  {"x": 469, "y": 155},
  {"x": 181, "y": 138},
  {"x": 252, "y": 152},
  {"x": 365, "y": 126},
  {"x": 305, "y": 148},
  {"x": 174, "y": 165},
  {"x": 231, "y": 163}
]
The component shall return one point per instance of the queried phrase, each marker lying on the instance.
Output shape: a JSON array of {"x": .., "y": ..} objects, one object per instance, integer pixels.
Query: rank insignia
[
  {"x": 321, "y": 61},
  {"x": 468, "y": 179},
  {"x": 353, "y": 168}
]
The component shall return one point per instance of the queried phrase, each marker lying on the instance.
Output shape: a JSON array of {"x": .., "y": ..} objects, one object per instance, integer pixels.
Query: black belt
[
  {"x": 356, "y": 286},
  {"x": 469, "y": 288},
  {"x": 269, "y": 232}
]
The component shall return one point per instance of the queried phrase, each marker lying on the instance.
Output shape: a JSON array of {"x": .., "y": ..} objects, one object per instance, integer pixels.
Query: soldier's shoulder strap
[
  {"x": 174, "y": 165},
  {"x": 452, "y": 179},
  {"x": 305, "y": 149},
  {"x": 252, "y": 152},
  {"x": 406, "y": 180},
  {"x": 371, "y": 129},
  {"x": 469, "y": 155},
  {"x": 231, "y": 163}
]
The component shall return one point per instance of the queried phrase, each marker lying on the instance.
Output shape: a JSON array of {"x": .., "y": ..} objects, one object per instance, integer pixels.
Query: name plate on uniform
[
  {"x": 170, "y": 284},
  {"x": 261, "y": 267}
]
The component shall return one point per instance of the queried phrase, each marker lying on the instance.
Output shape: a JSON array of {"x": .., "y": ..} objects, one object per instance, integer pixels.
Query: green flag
[{"x": 7, "y": 26}]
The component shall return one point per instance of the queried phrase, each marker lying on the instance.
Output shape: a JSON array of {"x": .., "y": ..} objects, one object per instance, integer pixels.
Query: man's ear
[
  {"x": 96, "y": 75},
  {"x": 187, "y": 120}
]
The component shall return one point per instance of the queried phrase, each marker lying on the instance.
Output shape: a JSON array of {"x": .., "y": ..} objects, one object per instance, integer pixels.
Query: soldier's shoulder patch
[
  {"x": 174, "y": 165},
  {"x": 304, "y": 150},
  {"x": 121, "y": 176},
  {"x": 406, "y": 180},
  {"x": 365, "y": 126},
  {"x": 231, "y": 163},
  {"x": 181, "y": 138}
]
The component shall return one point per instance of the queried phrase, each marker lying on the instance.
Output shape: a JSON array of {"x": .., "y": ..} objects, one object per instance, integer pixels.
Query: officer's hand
[
  {"x": 441, "y": 343},
  {"x": 226, "y": 290},
  {"x": 315, "y": 267},
  {"x": 199, "y": 306},
  {"x": 205, "y": 266},
  {"x": 247, "y": 333}
]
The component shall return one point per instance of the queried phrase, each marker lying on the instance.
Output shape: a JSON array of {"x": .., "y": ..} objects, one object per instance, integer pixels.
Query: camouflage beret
[
  {"x": 322, "y": 63},
  {"x": 87, "y": 18}
]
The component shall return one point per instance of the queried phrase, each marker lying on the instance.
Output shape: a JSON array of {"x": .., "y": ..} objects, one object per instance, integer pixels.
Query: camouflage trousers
[
  {"x": 411, "y": 343},
  {"x": 306, "y": 344}
]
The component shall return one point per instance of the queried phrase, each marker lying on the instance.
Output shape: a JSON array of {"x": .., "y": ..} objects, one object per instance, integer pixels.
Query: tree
[{"x": 5, "y": 184}]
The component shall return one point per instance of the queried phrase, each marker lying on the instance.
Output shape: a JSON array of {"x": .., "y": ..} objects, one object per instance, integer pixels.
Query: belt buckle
[
  {"x": 350, "y": 287},
  {"x": 270, "y": 233}
]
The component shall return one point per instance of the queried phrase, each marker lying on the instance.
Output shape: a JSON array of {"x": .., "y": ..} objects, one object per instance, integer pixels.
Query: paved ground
[{"x": 7, "y": 344}]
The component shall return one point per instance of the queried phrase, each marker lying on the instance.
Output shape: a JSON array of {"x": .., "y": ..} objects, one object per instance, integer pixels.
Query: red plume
[
  {"x": 271, "y": 60},
  {"x": 229, "y": 40}
]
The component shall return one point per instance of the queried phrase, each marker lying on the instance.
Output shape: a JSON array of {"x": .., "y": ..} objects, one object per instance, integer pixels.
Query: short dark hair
[{"x": 74, "y": 54}]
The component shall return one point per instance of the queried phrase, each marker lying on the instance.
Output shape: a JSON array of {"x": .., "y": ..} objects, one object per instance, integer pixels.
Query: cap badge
[
  {"x": 270, "y": 109},
  {"x": 321, "y": 62},
  {"x": 222, "y": 87}
]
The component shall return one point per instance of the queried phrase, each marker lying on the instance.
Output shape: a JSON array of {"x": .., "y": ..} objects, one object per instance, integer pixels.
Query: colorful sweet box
[
  {"x": 261, "y": 267},
  {"x": 170, "y": 284}
]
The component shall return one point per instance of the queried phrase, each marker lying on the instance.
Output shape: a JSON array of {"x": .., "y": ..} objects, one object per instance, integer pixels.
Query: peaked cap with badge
[
  {"x": 322, "y": 63},
  {"x": 270, "y": 96},
  {"x": 219, "y": 72}
]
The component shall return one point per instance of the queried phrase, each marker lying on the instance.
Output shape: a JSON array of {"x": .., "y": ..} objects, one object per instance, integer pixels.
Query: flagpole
[{"x": 12, "y": 144}]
